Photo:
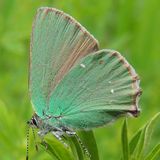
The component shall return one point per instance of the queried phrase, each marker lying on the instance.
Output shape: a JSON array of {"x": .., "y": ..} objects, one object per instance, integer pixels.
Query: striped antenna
[{"x": 27, "y": 147}]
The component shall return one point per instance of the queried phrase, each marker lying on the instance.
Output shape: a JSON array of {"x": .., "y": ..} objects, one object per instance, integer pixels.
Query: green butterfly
[{"x": 73, "y": 85}]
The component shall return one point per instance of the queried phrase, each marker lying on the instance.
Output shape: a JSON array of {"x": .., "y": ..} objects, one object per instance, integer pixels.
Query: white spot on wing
[
  {"x": 109, "y": 82},
  {"x": 82, "y": 65},
  {"x": 112, "y": 91}
]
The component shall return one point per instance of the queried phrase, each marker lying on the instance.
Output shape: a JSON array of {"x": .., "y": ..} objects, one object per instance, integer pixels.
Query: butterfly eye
[{"x": 34, "y": 122}]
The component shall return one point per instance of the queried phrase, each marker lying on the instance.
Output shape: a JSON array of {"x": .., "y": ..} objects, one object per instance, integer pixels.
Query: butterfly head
[{"x": 34, "y": 121}]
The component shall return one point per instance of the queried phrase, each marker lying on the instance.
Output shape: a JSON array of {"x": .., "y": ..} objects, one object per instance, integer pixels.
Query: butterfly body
[
  {"x": 44, "y": 127},
  {"x": 73, "y": 85}
]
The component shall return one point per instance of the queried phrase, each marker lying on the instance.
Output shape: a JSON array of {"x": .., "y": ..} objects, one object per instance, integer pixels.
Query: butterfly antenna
[
  {"x": 34, "y": 136},
  {"x": 27, "y": 147},
  {"x": 83, "y": 146}
]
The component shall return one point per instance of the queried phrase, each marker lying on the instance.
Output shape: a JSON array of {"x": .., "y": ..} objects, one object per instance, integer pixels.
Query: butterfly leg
[
  {"x": 58, "y": 135},
  {"x": 41, "y": 134}
]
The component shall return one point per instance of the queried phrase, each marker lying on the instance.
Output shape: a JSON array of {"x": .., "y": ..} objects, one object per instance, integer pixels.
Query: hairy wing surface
[
  {"x": 99, "y": 88},
  {"x": 57, "y": 42}
]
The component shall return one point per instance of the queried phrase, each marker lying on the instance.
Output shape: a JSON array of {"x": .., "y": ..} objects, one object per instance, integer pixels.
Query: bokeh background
[{"x": 129, "y": 26}]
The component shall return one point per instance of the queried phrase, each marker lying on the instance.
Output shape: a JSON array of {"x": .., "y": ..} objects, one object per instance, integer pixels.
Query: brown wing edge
[
  {"x": 134, "y": 111},
  {"x": 71, "y": 19}
]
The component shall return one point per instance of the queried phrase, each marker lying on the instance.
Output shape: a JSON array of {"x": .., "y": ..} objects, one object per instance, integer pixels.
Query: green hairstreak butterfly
[{"x": 72, "y": 84}]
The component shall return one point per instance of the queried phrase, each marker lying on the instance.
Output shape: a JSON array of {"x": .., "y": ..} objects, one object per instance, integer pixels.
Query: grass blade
[
  {"x": 154, "y": 153},
  {"x": 124, "y": 137},
  {"x": 50, "y": 151},
  {"x": 150, "y": 129},
  {"x": 140, "y": 145},
  {"x": 88, "y": 139},
  {"x": 134, "y": 141},
  {"x": 145, "y": 137},
  {"x": 56, "y": 149},
  {"x": 76, "y": 148}
]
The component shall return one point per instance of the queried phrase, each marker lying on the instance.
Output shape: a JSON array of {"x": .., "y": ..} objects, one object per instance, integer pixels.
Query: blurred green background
[{"x": 129, "y": 26}]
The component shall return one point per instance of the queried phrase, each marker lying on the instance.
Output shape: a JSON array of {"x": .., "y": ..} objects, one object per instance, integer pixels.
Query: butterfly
[{"x": 72, "y": 84}]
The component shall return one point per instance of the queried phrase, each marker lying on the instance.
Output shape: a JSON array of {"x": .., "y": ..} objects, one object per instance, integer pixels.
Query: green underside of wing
[
  {"x": 68, "y": 79},
  {"x": 57, "y": 42},
  {"x": 91, "y": 119},
  {"x": 97, "y": 90}
]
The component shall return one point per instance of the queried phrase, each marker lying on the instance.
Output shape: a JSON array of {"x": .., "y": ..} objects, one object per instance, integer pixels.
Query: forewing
[
  {"x": 57, "y": 42},
  {"x": 98, "y": 89}
]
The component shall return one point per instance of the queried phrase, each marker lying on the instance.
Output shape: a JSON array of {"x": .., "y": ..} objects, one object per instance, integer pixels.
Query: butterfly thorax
[
  {"x": 43, "y": 124},
  {"x": 35, "y": 121}
]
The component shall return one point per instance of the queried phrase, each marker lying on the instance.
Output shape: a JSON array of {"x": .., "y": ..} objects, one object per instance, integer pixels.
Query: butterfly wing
[
  {"x": 98, "y": 89},
  {"x": 57, "y": 42}
]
